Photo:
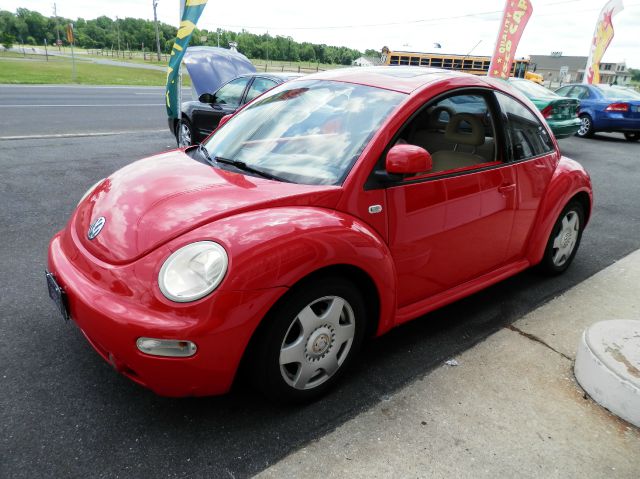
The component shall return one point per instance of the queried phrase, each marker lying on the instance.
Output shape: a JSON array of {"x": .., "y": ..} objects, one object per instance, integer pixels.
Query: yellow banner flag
[{"x": 602, "y": 37}]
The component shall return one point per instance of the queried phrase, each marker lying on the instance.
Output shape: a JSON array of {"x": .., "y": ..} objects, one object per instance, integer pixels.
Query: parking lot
[{"x": 64, "y": 412}]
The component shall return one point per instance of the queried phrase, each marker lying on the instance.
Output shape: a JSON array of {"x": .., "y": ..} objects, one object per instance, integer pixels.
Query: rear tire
[
  {"x": 635, "y": 136},
  {"x": 309, "y": 340},
  {"x": 586, "y": 127},
  {"x": 564, "y": 240}
]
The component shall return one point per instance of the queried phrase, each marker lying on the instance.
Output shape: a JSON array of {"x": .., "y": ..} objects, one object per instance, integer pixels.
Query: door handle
[{"x": 504, "y": 189}]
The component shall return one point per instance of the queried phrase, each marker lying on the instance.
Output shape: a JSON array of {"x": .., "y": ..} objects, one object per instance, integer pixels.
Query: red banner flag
[
  {"x": 514, "y": 19},
  {"x": 602, "y": 37}
]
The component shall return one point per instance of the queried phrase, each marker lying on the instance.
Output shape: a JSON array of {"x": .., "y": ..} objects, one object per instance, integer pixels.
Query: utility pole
[
  {"x": 118, "y": 33},
  {"x": 155, "y": 20},
  {"x": 218, "y": 31},
  {"x": 55, "y": 15}
]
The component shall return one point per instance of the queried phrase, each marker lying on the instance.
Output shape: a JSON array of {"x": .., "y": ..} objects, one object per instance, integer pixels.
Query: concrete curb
[{"x": 608, "y": 367}]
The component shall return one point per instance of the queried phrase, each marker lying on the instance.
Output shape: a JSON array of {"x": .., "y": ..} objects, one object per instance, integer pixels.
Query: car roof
[
  {"x": 404, "y": 79},
  {"x": 280, "y": 76}
]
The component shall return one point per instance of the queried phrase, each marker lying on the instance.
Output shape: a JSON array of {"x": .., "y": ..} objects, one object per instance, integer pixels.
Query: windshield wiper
[
  {"x": 241, "y": 165},
  {"x": 203, "y": 150}
]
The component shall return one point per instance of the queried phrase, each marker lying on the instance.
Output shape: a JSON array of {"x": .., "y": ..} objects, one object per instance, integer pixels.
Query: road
[
  {"x": 65, "y": 413},
  {"x": 47, "y": 110}
]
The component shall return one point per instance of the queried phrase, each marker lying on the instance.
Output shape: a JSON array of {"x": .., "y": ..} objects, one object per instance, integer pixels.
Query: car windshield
[
  {"x": 617, "y": 93},
  {"x": 532, "y": 90},
  {"x": 308, "y": 132}
]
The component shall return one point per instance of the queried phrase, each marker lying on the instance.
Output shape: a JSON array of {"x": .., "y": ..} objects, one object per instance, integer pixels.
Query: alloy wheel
[
  {"x": 184, "y": 135},
  {"x": 585, "y": 125}
]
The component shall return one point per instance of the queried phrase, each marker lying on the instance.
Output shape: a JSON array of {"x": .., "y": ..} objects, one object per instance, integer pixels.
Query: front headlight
[
  {"x": 193, "y": 271},
  {"x": 90, "y": 190}
]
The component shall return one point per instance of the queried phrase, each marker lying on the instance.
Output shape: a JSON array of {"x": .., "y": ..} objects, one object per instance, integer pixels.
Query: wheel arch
[
  {"x": 360, "y": 278},
  {"x": 569, "y": 182}
]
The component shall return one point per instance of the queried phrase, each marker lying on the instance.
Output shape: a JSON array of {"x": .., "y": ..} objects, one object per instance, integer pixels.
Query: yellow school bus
[{"x": 476, "y": 65}]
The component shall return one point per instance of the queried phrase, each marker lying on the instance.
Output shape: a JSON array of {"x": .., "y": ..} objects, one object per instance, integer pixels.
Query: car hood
[
  {"x": 152, "y": 201},
  {"x": 212, "y": 67}
]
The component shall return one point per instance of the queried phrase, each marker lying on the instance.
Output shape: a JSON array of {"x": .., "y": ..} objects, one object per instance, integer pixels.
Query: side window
[
  {"x": 564, "y": 91},
  {"x": 231, "y": 93},
  {"x": 581, "y": 93},
  {"x": 259, "y": 86},
  {"x": 527, "y": 136},
  {"x": 458, "y": 131}
]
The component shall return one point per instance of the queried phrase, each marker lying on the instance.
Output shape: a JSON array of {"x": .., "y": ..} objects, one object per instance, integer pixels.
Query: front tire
[
  {"x": 564, "y": 240},
  {"x": 586, "y": 126},
  {"x": 634, "y": 136},
  {"x": 309, "y": 340},
  {"x": 184, "y": 133}
]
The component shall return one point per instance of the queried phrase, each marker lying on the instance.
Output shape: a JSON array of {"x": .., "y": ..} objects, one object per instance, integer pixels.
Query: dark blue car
[{"x": 606, "y": 108}]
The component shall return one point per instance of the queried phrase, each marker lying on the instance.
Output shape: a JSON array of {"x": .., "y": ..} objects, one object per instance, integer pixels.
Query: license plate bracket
[{"x": 57, "y": 294}]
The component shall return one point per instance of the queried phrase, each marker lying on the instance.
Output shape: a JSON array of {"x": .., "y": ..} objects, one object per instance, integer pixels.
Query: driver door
[
  {"x": 452, "y": 224},
  {"x": 226, "y": 100}
]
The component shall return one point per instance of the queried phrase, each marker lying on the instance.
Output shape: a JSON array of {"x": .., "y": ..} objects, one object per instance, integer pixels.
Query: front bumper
[{"x": 113, "y": 318}]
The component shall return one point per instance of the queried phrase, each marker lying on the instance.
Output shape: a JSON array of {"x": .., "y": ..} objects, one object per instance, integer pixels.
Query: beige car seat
[{"x": 451, "y": 159}]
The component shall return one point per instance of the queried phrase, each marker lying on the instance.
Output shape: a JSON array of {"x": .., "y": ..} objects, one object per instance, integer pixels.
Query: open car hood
[{"x": 211, "y": 67}]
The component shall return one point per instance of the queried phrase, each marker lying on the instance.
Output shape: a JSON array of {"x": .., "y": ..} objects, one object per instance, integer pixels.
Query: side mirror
[
  {"x": 207, "y": 98},
  {"x": 224, "y": 119},
  {"x": 408, "y": 160}
]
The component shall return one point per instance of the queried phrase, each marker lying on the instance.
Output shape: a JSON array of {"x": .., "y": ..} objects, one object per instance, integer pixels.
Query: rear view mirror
[
  {"x": 408, "y": 160},
  {"x": 207, "y": 98}
]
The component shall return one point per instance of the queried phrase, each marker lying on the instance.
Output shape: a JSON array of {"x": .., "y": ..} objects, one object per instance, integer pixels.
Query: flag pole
[{"x": 182, "y": 4}]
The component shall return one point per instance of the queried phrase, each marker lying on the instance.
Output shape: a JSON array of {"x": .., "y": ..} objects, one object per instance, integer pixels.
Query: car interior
[{"x": 457, "y": 131}]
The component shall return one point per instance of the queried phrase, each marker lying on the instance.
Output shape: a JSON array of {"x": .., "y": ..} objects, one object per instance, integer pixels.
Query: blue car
[{"x": 606, "y": 108}]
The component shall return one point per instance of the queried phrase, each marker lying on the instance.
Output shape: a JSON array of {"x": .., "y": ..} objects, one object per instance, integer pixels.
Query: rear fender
[
  {"x": 569, "y": 180},
  {"x": 278, "y": 247}
]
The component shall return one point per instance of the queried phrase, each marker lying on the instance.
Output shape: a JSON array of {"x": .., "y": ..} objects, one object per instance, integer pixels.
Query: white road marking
[
  {"x": 83, "y": 106},
  {"x": 96, "y": 87},
  {"x": 78, "y": 135}
]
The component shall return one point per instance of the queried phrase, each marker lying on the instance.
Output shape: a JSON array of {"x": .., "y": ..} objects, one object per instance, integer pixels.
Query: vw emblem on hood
[{"x": 96, "y": 227}]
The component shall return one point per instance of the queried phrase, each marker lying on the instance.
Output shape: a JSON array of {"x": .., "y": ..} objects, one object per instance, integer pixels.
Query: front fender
[
  {"x": 278, "y": 247},
  {"x": 568, "y": 180}
]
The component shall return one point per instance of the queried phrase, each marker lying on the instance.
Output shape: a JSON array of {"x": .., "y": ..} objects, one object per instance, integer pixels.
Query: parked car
[
  {"x": 560, "y": 112},
  {"x": 200, "y": 118},
  {"x": 331, "y": 209},
  {"x": 605, "y": 108}
]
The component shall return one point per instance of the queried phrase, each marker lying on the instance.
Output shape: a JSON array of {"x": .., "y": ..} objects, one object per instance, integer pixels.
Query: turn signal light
[
  {"x": 618, "y": 107},
  {"x": 166, "y": 347}
]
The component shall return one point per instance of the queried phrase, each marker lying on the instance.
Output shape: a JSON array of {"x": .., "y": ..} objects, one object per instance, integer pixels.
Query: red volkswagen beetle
[{"x": 332, "y": 208}]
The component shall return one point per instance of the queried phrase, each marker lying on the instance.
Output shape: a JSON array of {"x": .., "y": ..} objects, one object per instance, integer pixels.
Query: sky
[{"x": 457, "y": 25}]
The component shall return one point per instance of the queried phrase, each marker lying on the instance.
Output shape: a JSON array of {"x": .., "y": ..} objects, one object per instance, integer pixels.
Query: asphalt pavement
[
  {"x": 49, "y": 110},
  {"x": 64, "y": 412}
]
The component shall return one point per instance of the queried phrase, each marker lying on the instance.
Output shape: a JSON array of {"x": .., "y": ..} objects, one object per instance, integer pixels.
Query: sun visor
[{"x": 211, "y": 67}]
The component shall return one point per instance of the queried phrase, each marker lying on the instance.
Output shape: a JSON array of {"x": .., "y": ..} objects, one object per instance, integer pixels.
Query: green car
[{"x": 560, "y": 112}]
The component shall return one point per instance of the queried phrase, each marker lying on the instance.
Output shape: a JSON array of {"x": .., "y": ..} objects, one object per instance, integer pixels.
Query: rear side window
[
  {"x": 564, "y": 91},
  {"x": 581, "y": 93},
  {"x": 526, "y": 136}
]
